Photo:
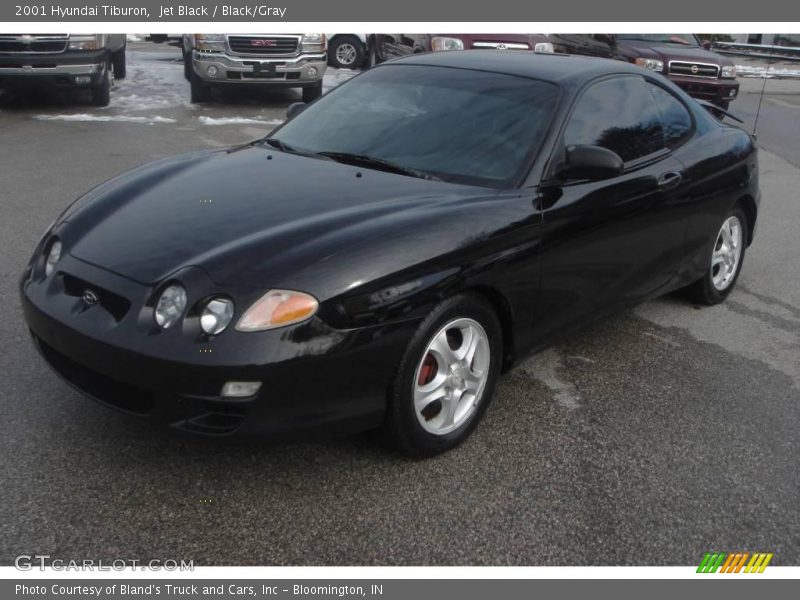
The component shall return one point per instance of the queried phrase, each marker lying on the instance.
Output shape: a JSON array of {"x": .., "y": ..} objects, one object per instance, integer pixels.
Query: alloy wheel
[
  {"x": 346, "y": 54},
  {"x": 451, "y": 377},
  {"x": 727, "y": 253}
]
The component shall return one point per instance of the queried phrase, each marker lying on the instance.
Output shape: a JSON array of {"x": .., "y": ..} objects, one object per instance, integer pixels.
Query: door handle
[{"x": 670, "y": 180}]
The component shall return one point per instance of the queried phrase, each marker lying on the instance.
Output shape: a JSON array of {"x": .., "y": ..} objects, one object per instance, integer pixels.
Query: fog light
[
  {"x": 312, "y": 72},
  {"x": 83, "y": 80},
  {"x": 212, "y": 71},
  {"x": 240, "y": 389}
]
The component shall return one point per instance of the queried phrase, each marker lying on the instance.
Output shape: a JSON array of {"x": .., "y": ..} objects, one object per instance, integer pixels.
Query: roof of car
[{"x": 560, "y": 68}]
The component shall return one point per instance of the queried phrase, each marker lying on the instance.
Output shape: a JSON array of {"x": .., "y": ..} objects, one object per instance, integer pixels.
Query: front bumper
[
  {"x": 713, "y": 90},
  {"x": 66, "y": 68},
  {"x": 315, "y": 379},
  {"x": 300, "y": 71}
]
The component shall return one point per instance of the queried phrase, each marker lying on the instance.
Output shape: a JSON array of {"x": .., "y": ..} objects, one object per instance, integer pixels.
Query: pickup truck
[
  {"x": 678, "y": 56},
  {"x": 266, "y": 59},
  {"x": 89, "y": 61}
]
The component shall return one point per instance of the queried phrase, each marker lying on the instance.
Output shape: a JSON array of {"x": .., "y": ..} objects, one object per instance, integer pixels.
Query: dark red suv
[{"x": 681, "y": 57}]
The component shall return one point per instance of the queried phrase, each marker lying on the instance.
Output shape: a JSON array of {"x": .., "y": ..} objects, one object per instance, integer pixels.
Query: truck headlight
[
  {"x": 209, "y": 42},
  {"x": 92, "y": 41},
  {"x": 313, "y": 42},
  {"x": 544, "y": 48},
  {"x": 729, "y": 71},
  {"x": 650, "y": 63},
  {"x": 442, "y": 44}
]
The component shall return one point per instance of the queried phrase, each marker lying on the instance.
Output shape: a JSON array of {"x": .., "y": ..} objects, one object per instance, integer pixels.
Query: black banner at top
[{"x": 443, "y": 11}]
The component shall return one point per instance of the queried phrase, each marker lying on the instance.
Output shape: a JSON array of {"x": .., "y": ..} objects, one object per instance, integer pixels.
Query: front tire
[
  {"x": 101, "y": 93},
  {"x": 200, "y": 92},
  {"x": 312, "y": 93},
  {"x": 725, "y": 260},
  {"x": 446, "y": 378},
  {"x": 346, "y": 52}
]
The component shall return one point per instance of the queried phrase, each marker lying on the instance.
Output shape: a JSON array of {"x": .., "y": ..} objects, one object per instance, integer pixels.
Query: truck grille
[
  {"x": 261, "y": 45},
  {"x": 693, "y": 69},
  {"x": 33, "y": 44}
]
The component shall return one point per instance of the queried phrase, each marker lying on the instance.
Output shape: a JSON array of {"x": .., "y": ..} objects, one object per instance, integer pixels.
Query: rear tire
[
  {"x": 455, "y": 358},
  {"x": 725, "y": 261},
  {"x": 200, "y": 92},
  {"x": 119, "y": 62},
  {"x": 312, "y": 93},
  {"x": 101, "y": 93}
]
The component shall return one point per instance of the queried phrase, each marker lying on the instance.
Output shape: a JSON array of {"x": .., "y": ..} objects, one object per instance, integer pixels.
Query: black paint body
[{"x": 377, "y": 249}]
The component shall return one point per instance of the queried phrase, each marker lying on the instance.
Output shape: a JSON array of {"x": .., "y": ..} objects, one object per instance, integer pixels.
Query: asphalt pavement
[{"x": 650, "y": 437}]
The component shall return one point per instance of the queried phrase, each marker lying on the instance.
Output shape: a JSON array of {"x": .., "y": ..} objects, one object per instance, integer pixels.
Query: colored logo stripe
[{"x": 734, "y": 562}]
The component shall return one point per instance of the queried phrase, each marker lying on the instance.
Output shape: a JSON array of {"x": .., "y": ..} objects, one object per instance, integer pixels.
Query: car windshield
[
  {"x": 661, "y": 38},
  {"x": 457, "y": 125}
]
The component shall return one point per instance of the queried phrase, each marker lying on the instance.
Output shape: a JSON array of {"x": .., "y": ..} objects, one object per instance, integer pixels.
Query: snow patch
[
  {"x": 237, "y": 121},
  {"x": 105, "y": 118},
  {"x": 768, "y": 73}
]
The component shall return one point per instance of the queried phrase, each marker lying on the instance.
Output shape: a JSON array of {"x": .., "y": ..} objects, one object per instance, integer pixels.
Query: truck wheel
[
  {"x": 119, "y": 61},
  {"x": 101, "y": 93},
  {"x": 200, "y": 91},
  {"x": 312, "y": 93},
  {"x": 346, "y": 52}
]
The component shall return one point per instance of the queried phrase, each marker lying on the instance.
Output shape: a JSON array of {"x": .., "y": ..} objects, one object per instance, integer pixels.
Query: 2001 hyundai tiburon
[{"x": 380, "y": 258}]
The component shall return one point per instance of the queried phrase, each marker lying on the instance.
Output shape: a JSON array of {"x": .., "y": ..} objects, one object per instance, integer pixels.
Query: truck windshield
[
  {"x": 661, "y": 38},
  {"x": 457, "y": 125}
]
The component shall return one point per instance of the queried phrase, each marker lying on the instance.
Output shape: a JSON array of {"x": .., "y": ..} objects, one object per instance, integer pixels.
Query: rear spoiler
[{"x": 717, "y": 111}]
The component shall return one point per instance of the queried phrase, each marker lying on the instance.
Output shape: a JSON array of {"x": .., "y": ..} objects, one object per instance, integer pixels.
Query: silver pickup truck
[
  {"x": 276, "y": 60},
  {"x": 90, "y": 61}
]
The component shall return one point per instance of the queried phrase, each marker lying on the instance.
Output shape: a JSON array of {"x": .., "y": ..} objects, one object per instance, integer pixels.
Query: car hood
[
  {"x": 669, "y": 52},
  {"x": 229, "y": 212}
]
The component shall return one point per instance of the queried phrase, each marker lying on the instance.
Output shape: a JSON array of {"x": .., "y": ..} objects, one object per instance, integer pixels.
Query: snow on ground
[
  {"x": 105, "y": 118},
  {"x": 237, "y": 121},
  {"x": 769, "y": 73},
  {"x": 151, "y": 84}
]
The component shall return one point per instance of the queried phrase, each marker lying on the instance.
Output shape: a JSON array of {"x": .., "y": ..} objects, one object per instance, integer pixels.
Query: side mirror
[
  {"x": 295, "y": 109},
  {"x": 606, "y": 38},
  {"x": 590, "y": 162},
  {"x": 706, "y": 44}
]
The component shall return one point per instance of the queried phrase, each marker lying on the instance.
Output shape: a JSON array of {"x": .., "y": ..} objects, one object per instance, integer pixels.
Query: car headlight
[
  {"x": 313, "y": 42},
  {"x": 441, "y": 44},
  {"x": 729, "y": 71},
  {"x": 209, "y": 42},
  {"x": 278, "y": 308},
  {"x": 170, "y": 306},
  {"x": 86, "y": 42},
  {"x": 650, "y": 63},
  {"x": 544, "y": 48},
  {"x": 53, "y": 256},
  {"x": 216, "y": 315}
]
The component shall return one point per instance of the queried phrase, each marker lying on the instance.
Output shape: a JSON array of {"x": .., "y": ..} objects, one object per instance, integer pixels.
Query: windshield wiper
[
  {"x": 379, "y": 164},
  {"x": 276, "y": 143}
]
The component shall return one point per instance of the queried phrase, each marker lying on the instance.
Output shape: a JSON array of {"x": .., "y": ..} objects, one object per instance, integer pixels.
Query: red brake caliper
[{"x": 428, "y": 370}]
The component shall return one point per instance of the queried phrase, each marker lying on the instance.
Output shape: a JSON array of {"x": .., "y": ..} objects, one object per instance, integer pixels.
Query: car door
[{"x": 612, "y": 242}]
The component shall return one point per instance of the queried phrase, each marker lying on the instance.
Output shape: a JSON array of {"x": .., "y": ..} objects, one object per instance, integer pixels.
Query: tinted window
[
  {"x": 459, "y": 125},
  {"x": 619, "y": 114},
  {"x": 676, "y": 119}
]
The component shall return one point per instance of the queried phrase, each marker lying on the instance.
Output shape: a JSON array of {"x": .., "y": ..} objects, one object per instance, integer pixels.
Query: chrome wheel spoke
[
  {"x": 441, "y": 348},
  {"x": 727, "y": 253}
]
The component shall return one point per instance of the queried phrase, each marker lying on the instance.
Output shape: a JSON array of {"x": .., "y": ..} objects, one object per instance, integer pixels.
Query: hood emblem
[
  {"x": 695, "y": 69},
  {"x": 89, "y": 297}
]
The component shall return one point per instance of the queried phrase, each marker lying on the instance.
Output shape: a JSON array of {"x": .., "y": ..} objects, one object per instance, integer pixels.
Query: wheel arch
[
  {"x": 750, "y": 208},
  {"x": 502, "y": 308}
]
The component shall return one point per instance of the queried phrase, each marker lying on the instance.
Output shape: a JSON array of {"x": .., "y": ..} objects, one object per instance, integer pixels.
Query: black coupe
[{"x": 380, "y": 258}]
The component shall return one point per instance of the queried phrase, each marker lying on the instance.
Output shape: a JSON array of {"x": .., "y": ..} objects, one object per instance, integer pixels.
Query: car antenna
[{"x": 761, "y": 98}]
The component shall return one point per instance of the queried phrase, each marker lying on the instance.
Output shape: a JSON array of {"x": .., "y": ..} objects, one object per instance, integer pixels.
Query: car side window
[
  {"x": 619, "y": 114},
  {"x": 674, "y": 115}
]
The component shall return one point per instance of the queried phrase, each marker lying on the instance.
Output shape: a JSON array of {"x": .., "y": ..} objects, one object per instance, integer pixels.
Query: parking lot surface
[{"x": 649, "y": 438}]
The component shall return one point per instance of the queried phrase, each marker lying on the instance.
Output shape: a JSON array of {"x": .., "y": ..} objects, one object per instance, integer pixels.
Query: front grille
[
  {"x": 120, "y": 395},
  {"x": 33, "y": 44},
  {"x": 263, "y": 46},
  {"x": 693, "y": 69}
]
